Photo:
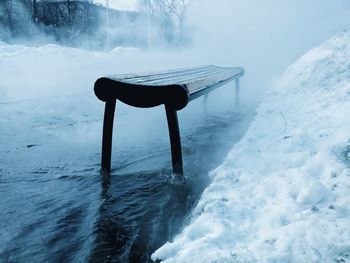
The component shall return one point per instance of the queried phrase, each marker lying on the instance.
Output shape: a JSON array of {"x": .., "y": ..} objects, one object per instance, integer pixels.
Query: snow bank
[
  {"x": 52, "y": 70},
  {"x": 283, "y": 193}
]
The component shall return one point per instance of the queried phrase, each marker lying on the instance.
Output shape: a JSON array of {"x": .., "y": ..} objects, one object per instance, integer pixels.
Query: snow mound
[
  {"x": 52, "y": 70},
  {"x": 283, "y": 193}
]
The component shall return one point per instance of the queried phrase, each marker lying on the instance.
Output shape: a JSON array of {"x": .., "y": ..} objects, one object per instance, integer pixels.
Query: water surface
[{"x": 55, "y": 205}]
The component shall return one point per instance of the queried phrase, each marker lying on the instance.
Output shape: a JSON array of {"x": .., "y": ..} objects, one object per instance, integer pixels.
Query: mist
[
  {"x": 264, "y": 37},
  {"x": 51, "y": 121}
]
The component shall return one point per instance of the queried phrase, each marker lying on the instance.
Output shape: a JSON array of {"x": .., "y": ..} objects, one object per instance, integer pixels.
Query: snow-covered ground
[
  {"x": 283, "y": 192},
  {"x": 52, "y": 70}
]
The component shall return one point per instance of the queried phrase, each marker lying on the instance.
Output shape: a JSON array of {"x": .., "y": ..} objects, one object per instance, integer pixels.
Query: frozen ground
[{"x": 283, "y": 192}]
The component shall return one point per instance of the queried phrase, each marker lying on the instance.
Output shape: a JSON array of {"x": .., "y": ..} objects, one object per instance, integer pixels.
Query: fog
[
  {"x": 51, "y": 121},
  {"x": 263, "y": 36}
]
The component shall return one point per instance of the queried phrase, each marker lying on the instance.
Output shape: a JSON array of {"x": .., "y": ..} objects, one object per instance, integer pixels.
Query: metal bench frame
[{"x": 139, "y": 90}]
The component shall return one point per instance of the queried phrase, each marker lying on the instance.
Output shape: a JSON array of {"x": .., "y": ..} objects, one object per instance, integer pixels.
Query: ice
[{"x": 283, "y": 192}]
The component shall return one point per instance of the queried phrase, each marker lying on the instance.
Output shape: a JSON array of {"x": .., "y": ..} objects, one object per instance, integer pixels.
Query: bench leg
[
  {"x": 205, "y": 99},
  {"x": 107, "y": 135},
  {"x": 175, "y": 140},
  {"x": 205, "y": 103},
  {"x": 237, "y": 93}
]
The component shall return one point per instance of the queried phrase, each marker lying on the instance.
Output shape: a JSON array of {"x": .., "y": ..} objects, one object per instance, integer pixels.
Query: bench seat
[{"x": 172, "y": 88}]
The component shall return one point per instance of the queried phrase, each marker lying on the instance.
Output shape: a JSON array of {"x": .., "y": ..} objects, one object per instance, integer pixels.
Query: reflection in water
[
  {"x": 136, "y": 219},
  {"x": 55, "y": 205},
  {"x": 142, "y": 210}
]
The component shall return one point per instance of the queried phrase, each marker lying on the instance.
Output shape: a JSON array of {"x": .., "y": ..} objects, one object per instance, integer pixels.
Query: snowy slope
[
  {"x": 52, "y": 70},
  {"x": 283, "y": 193}
]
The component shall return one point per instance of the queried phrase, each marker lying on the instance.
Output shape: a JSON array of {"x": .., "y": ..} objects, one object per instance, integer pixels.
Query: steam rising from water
[{"x": 263, "y": 36}]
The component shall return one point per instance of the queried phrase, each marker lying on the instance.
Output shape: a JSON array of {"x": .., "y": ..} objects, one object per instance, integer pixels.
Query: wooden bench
[{"x": 172, "y": 88}]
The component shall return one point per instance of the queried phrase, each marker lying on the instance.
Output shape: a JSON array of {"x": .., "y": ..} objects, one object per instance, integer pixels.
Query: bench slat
[
  {"x": 185, "y": 78},
  {"x": 163, "y": 79},
  {"x": 192, "y": 78},
  {"x": 158, "y": 73},
  {"x": 202, "y": 84}
]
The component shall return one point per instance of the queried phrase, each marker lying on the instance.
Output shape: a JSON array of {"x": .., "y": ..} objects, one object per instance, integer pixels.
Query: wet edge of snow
[{"x": 283, "y": 192}]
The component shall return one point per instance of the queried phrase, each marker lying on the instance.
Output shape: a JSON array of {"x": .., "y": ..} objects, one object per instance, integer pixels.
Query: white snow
[
  {"x": 283, "y": 192},
  {"x": 52, "y": 70}
]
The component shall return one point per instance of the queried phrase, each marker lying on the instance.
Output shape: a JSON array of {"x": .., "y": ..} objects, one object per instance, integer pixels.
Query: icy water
[{"x": 56, "y": 207}]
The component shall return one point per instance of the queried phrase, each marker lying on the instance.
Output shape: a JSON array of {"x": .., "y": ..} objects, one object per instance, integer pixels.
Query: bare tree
[
  {"x": 14, "y": 16},
  {"x": 179, "y": 10},
  {"x": 6, "y": 17},
  {"x": 35, "y": 11},
  {"x": 68, "y": 22},
  {"x": 171, "y": 13}
]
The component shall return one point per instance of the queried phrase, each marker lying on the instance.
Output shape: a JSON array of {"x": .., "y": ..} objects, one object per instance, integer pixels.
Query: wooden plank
[
  {"x": 185, "y": 79},
  {"x": 158, "y": 80},
  {"x": 130, "y": 76},
  {"x": 199, "y": 92},
  {"x": 180, "y": 78},
  {"x": 210, "y": 81},
  {"x": 162, "y": 75},
  {"x": 195, "y": 81}
]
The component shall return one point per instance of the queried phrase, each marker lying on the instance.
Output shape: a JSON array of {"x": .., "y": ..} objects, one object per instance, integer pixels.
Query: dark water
[{"x": 55, "y": 205}]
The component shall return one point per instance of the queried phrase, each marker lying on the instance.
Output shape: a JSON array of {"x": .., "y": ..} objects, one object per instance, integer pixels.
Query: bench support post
[
  {"x": 236, "y": 92},
  {"x": 175, "y": 140},
  {"x": 107, "y": 135}
]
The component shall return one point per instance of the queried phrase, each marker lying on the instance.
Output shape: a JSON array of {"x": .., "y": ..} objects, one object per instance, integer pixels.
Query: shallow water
[{"x": 55, "y": 205}]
